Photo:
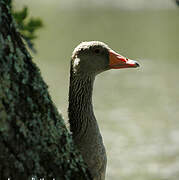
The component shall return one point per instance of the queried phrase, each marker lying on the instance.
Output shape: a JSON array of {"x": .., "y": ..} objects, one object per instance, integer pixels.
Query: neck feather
[{"x": 80, "y": 110}]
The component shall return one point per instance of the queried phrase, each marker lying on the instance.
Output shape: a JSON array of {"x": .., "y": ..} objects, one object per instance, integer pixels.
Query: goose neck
[{"x": 80, "y": 110}]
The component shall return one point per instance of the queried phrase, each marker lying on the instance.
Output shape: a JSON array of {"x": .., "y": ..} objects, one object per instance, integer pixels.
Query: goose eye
[{"x": 97, "y": 51}]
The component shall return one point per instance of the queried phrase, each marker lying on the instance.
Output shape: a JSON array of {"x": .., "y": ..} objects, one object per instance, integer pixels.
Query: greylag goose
[{"x": 88, "y": 60}]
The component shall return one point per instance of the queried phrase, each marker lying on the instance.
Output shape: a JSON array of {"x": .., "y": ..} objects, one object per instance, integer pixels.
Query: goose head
[{"x": 94, "y": 57}]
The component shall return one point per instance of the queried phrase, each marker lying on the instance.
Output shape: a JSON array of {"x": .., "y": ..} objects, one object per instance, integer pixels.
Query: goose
[{"x": 88, "y": 60}]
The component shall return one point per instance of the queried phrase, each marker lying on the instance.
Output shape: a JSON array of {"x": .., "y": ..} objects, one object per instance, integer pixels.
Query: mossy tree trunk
[{"x": 34, "y": 141}]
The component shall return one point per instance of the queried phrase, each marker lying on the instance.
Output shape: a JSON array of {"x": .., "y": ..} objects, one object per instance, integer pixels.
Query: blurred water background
[{"x": 137, "y": 109}]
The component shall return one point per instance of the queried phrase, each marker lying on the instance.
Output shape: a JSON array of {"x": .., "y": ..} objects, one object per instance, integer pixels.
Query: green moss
[{"x": 34, "y": 134}]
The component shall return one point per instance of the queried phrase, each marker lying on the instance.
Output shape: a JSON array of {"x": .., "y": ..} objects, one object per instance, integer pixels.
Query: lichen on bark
[{"x": 33, "y": 138}]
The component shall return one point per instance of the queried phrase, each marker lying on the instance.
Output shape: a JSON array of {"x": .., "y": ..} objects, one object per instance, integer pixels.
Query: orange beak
[{"x": 116, "y": 61}]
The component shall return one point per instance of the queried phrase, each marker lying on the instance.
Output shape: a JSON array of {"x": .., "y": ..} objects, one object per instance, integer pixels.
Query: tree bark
[{"x": 34, "y": 142}]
